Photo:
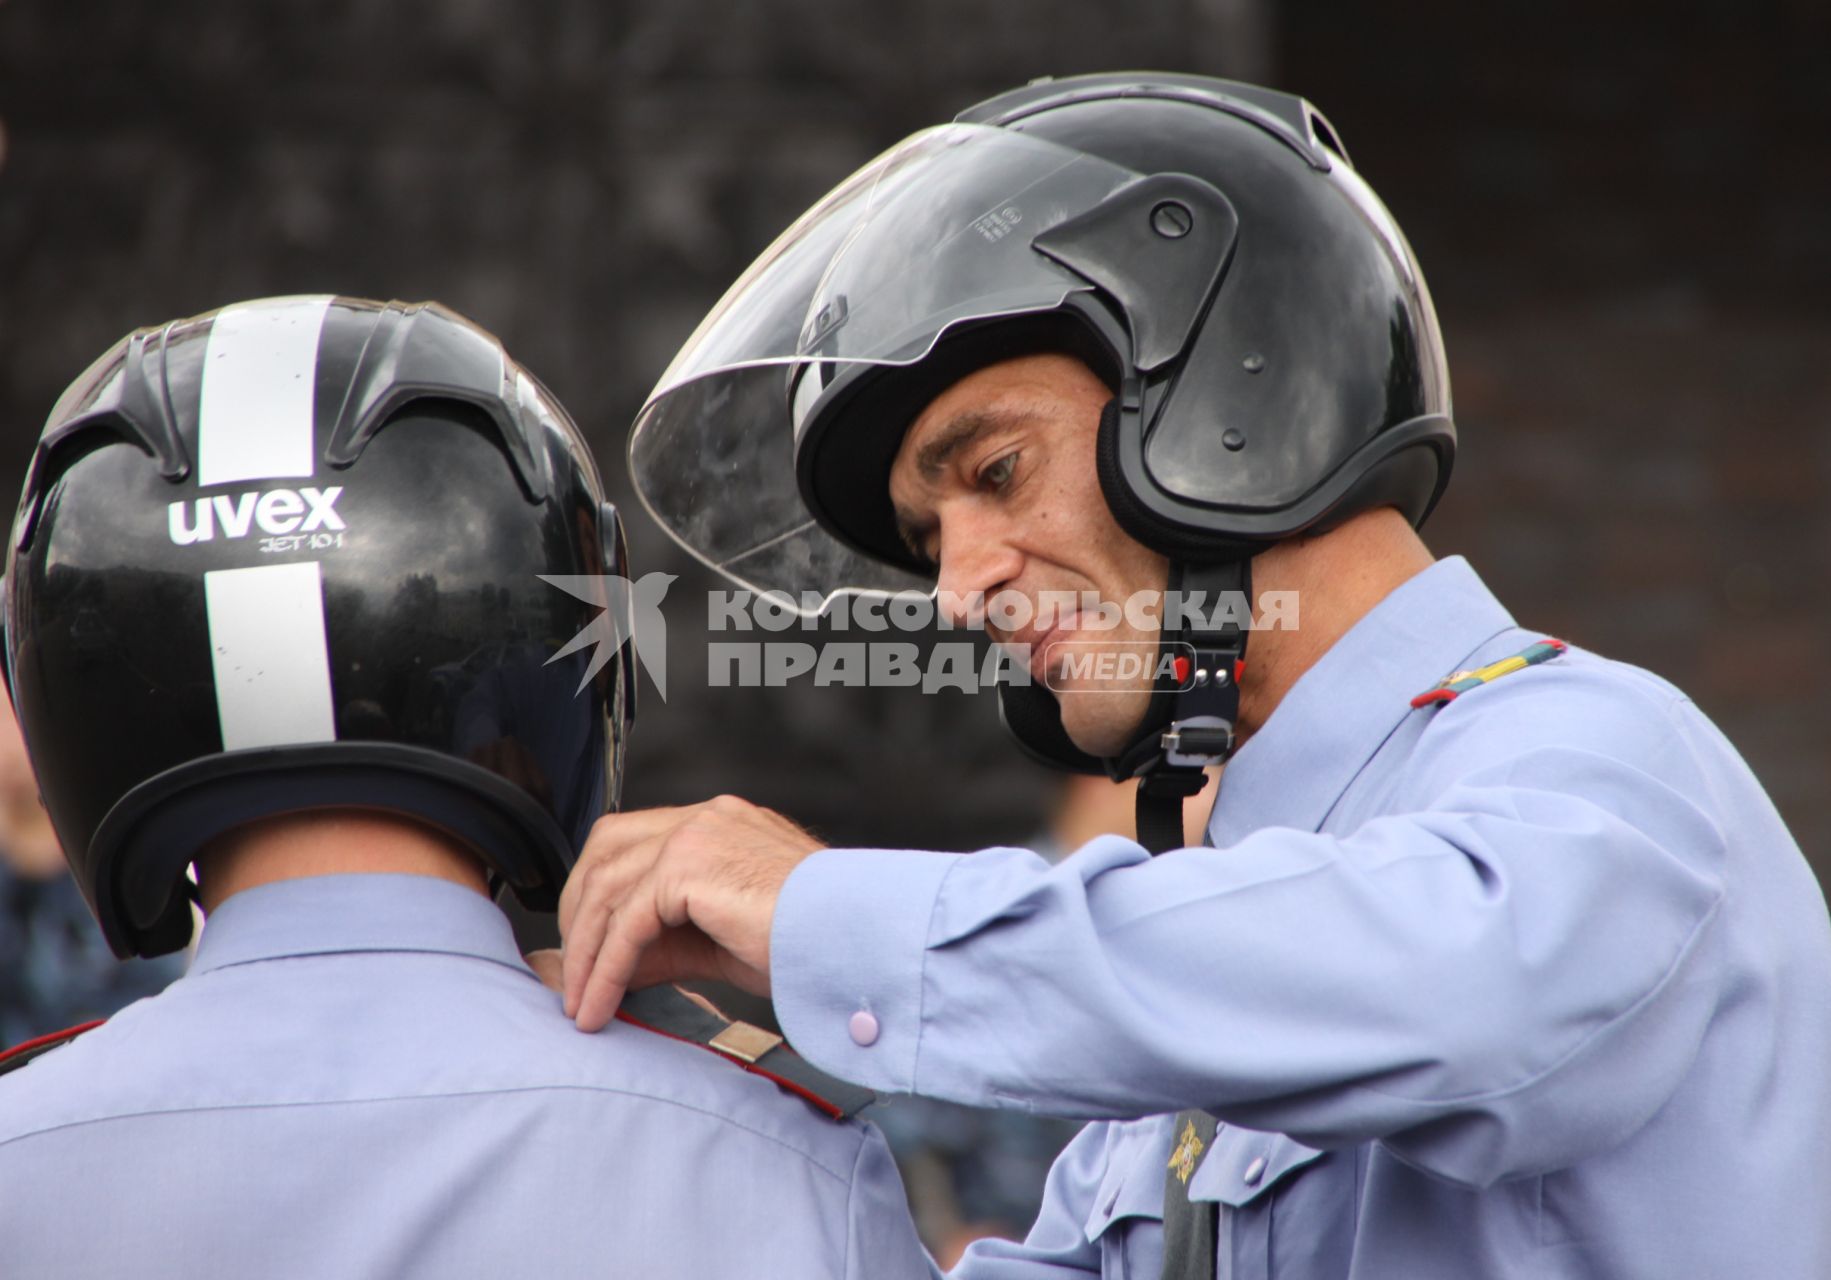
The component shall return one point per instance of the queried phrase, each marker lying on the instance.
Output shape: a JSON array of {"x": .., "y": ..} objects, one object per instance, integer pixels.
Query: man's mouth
[{"x": 1041, "y": 641}]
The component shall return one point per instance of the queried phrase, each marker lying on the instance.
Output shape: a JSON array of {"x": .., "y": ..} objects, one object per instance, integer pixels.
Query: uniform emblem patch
[
  {"x": 1460, "y": 682},
  {"x": 1188, "y": 1151}
]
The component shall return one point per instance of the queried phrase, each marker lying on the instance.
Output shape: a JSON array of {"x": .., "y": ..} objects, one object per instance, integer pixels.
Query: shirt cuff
[{"x": 846, "y": 955}]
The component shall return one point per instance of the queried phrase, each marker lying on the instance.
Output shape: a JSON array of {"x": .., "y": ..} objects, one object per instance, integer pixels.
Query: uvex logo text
[{"x": 274, "y": 511}]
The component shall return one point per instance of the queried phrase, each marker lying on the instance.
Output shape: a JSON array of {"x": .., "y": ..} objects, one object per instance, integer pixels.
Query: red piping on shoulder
[
  {"x": 800, "y": 1091},
  {"x": 41, "y": 1042}
]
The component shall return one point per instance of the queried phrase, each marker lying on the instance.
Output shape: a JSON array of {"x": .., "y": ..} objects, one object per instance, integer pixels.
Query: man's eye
[{"x": 998, "y": 474}]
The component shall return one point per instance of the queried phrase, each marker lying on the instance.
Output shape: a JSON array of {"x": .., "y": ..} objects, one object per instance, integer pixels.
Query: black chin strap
[
  {"x": 1160, "y": 806},
  {"x": 1190, "y": 724}
]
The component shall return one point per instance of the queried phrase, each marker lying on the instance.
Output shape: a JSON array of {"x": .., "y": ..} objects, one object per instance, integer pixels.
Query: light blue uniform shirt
[
  {"x": 1531, "y": 984},
  {"x": 360, "y": 1078}
]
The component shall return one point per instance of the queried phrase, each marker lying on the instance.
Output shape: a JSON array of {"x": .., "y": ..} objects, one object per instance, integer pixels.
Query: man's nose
[{"x": 976, "y": 560}]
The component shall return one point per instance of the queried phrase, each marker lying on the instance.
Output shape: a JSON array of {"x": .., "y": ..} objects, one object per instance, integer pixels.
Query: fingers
[
  {"x": 620, "y": 848},
  {"x": 649, "y": 940},
  {"x": 703, "y": 1003},
  {"x": 603, "y": 889},
  {"x": 546, "y": 966},
  {"x": 665, "y": 894},
  {"x": 632, "y": 930},
  {"x": 612, "y": 837},
  {"x": 578, "y": 951}
]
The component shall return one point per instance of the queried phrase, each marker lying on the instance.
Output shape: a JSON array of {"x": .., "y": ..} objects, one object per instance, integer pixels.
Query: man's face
[{"x": 995, "y": 483}]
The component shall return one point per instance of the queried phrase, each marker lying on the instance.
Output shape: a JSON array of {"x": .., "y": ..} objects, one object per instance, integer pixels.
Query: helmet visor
[{"x": 934, "y": 234}]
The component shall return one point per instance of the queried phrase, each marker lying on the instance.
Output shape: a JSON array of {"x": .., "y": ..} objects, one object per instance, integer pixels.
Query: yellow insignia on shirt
[
  {"x": 1457, "y": 683},
  {"x": 1188, "y": 1150}
]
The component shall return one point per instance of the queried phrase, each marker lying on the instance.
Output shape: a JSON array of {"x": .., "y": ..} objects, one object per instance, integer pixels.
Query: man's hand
[
  {"x": 546, "y": 965},
  {"x": 661, "y": 895}
]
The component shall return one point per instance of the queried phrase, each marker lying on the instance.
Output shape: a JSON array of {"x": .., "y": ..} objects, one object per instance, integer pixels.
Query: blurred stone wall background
[{"x": 1621, "y": 209}]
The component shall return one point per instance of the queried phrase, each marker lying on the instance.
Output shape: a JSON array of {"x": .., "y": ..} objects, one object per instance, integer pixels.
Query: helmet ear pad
[
  {"x": 1033, "y": 716},
  {"x": 1406, "y": 467}
]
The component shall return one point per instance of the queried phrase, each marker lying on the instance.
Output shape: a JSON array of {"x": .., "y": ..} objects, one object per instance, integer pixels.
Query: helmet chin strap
[{"x": 1195, "y": 703}]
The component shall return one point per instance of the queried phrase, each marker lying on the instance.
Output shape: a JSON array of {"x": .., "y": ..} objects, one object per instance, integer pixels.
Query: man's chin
[{"x": 1102, "y": 724}]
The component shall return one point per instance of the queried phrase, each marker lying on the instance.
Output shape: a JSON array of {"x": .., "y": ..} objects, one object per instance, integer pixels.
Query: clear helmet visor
[{"x": 933, "y": 234}]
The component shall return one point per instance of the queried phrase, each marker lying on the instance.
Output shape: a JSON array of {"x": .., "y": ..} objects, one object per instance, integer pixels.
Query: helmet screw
[
  {"x": 1201, "y": 677},
  {"x": 1234, "y": 439},
  {"x": 1171, "y": 219},
  {"x": 1254, "y": 363},
  {"x": 1220, "y": 678}
]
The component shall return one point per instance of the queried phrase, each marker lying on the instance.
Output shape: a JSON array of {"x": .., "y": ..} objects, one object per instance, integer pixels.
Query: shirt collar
[
  {"x": 1334, "y": 719},
  {"x": 328, "y": 915}
]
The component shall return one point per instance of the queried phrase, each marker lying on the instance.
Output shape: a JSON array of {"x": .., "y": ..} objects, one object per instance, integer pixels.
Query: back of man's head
[{"x": 286, "y": 558}]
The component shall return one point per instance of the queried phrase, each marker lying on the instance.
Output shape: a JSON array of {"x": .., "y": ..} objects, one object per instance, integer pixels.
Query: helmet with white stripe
[{"x": 289, "y": 555}]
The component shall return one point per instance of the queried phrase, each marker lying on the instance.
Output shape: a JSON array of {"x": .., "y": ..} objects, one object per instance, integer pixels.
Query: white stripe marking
[
  {"x": 273, "y": 671},
  {"x": 254, "y": 415}
]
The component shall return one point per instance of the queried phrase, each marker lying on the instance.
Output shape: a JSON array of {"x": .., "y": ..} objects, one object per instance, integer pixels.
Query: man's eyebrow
[{"x": 933, "y": 457}]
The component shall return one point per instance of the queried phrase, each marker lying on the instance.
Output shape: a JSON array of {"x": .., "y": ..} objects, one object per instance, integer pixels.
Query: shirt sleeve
[
  {"x": 1064, "y": 1242},
  {"x": 1507, "y": 970},
  {"x": 1057, "y": 1246}
]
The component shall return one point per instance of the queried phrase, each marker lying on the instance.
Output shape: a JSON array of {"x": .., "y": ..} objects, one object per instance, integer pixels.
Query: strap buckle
[{"x": 1197, "y": 742}]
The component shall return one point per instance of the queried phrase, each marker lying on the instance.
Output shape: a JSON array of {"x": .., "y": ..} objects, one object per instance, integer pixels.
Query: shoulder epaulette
[
  {"x": 20, "y": 1054},
  {"x": 1460, "y": 682},
  {"x": 671, "y": 1012}
]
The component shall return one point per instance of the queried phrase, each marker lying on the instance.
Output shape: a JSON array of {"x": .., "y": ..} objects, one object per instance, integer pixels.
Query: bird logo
[{"x": 631, "y": 610}]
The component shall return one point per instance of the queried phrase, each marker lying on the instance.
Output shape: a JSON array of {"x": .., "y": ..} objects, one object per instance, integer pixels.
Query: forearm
[{"x": 1334, "y": 989}]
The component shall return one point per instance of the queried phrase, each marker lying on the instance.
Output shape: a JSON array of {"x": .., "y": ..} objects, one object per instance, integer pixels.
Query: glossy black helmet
[
  {"x": 1204, "y": 245},
  {"x": 289, "y": 554}
]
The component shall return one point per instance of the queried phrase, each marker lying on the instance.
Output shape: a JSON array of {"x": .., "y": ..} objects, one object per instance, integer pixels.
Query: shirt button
[
  {"x": 864, "y": 1028},
  {"x": 1255, "y": 1171}
]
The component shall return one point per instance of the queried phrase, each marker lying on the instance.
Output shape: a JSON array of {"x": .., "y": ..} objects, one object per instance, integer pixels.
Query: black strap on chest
[
  {"x": 671, "y": 1012},
  {"x": 1159, "y": 809},
  {"x": 19, "y": 1055},
  {"x": 1189, "y": 1227}
]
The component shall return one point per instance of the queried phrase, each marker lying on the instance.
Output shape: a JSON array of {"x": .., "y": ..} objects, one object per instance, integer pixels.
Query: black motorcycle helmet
[
  {"x": 288, "y": 555},
  {"x": 1205, "y": 246},
  {"x": 1248, "y": 291}
]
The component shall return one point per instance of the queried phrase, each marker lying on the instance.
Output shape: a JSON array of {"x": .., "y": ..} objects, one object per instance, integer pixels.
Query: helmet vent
[{"x": 1324, "y": 135}]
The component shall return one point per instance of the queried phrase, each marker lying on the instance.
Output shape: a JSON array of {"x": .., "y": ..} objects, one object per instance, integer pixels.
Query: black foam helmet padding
[
  {"x": 844, "y": 472},
  {"x": 1033, "y": 716},
  {"x": 153, "y": 833}
]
